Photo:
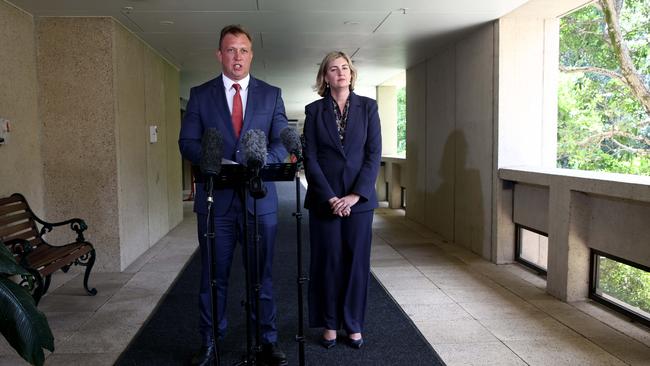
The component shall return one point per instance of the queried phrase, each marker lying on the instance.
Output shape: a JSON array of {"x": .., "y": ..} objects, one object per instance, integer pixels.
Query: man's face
[{"x": 235, "y": 55}]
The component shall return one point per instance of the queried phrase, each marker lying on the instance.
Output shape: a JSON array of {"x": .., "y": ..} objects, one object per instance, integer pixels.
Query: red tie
[{"x": 237, "y": 111}]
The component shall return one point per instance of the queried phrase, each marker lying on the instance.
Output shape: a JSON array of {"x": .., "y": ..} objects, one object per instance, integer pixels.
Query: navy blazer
[
  {"x": 334, "y": 170},
  {"x": 208, "y": 108}
]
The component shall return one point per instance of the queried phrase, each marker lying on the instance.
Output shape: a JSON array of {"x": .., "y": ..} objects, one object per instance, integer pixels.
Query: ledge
[{"x": 625, "y": 186}]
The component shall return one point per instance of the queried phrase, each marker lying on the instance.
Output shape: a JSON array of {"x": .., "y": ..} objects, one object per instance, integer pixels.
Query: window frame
[
  {"x": 540, "y": 271},
  {"x": 593, "y": 282}
]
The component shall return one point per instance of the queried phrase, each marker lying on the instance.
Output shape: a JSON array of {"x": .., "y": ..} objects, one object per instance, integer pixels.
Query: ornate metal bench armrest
[{"x": 77, "y": 225}]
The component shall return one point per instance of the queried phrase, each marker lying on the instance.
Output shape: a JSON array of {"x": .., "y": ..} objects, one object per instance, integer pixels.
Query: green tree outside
[
  {"x": 401, "y": 120},
  {"x": 602, "y": 124},
  {"x": 604, "y": 110}
]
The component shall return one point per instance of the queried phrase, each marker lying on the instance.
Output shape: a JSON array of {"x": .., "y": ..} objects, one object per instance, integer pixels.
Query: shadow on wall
[{"x": 458, "y": 201}]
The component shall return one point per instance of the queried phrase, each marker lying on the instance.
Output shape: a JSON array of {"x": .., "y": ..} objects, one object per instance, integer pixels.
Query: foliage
[
  {"x": 602, "y": 125},
  {"x": 25, "y": 328},
  {"x": 625, "y": 283},
  {"x": 401, "y": 120},
  {"x": 602, "y": 122}
]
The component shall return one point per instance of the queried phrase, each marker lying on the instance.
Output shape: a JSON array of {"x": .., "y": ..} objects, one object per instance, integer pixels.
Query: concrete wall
[
  {"x": 150, "y": 196},
  {"x": 585, "y": 210},
  {"x": 416, "y": 131},
  {"x": 154, "y": 91},
  {"x": 387, "y": 105},
  {"x": 100, "y": 90},
  {"x": 174, "y": 160},
  {"x": 475, "y": 145},
  {"x": 75, "y": 68},
  {"x": 22, "y": 167},
  {"x": 440, "y": 177},
  {"x": 450, "y": 144},
  {"x": 132, "y": 145}
]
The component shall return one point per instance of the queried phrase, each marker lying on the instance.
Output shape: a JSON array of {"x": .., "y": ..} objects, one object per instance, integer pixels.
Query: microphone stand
[
  {"x": 250, "y": 357},
  {"x": 212, "y": 268},
  {"x": 256, "y": 188},
  {"x": 257, "y": 191},
  {"x": 301, "y": 279}
]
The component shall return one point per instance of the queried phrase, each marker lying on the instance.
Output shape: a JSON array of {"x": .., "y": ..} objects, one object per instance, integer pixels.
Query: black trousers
[{"x": 339, "y": 270}]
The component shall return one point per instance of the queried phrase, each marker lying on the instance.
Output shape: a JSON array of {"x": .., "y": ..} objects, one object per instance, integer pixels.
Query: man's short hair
[{"x": 234, "y": 29}]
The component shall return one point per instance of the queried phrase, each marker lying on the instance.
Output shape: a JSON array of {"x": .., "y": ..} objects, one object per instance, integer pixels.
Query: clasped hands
[{"x": 343, "y": 206}]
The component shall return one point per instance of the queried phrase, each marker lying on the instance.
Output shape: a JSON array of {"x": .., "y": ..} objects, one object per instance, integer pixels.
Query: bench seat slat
[
  {"x": 6, "y": 209},
  {"x": 13, "y": 229},
  {"x": 10, "y": 219},
  {"x": 61, "y": 262},
  {"x": 10, "y": 199},
  {"x": 31, "y": 236},
  {"x": 44, "y": 255}
]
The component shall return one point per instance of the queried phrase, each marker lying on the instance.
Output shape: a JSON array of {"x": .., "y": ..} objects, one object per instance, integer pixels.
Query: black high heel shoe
[
  {"x": 356, "y": 343},
  {"x": 328, "y": 343}
]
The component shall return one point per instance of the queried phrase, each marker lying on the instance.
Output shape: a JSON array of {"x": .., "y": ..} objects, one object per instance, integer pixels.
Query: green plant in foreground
[{"x": 21, "y": 323}]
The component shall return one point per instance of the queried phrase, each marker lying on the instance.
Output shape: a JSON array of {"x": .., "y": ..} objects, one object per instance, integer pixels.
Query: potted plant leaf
[{"x": 21, "y": 323}]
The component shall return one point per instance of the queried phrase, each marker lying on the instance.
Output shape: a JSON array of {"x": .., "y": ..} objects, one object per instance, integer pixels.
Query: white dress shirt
[{"x": 230, "y": 91}]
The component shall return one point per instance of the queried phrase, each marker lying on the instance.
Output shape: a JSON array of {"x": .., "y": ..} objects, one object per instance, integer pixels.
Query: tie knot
[{"x": 236, "y": 86}]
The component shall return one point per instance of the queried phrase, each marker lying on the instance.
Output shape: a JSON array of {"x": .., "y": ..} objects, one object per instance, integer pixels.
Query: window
[
  {"x": 620, "y": 284},
  {"x": 532, "y": 249},
  {"x": 604, "y": 122},
  {"x": 401, "y": 120}
]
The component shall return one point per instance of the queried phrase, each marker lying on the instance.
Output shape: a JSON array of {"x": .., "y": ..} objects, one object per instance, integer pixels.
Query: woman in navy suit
[{"x": 342, "y": 156}]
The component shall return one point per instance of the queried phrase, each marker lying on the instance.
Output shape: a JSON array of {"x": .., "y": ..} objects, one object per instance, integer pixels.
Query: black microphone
[
  {"x": 292, "y": 143},
  {"x": 254, "y": 147},
  {"x": 211, "y": 152}
]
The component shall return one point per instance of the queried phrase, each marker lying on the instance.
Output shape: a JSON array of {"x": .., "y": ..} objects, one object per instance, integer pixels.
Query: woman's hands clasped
[{"x": 343, "y": 206}]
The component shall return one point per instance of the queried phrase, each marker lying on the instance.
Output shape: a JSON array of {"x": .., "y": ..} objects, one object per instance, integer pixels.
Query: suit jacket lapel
[
  {"x": 329, "y": 118},
  {"x": 354, "y": 122},
  {"x": 250, "y": 104},
  {"x": 221, "y": 105}
]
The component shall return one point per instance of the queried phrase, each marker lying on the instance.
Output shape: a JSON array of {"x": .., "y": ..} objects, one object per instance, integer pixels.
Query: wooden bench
[{"x": 19, "y": 232}]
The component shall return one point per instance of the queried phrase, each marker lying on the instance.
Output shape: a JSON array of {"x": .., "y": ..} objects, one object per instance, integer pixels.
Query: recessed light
[
  {"x": 351, "y": 22},
  {"x": 166, "y": 22}
]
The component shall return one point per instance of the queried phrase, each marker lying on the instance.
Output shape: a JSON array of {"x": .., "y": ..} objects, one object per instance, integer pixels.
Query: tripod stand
[
  {"x": 301, "y": 278},
  {"x": 212, "y": 268},
  {"x": 249, "y": 185}
]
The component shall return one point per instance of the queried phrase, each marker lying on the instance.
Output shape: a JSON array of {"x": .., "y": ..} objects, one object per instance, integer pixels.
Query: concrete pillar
[
  {"x": 394, "y": 179},
  {"x": 100, "y": 90},
  {"x": 387, "y": 103},
  {"x": 568, "y": 254}
]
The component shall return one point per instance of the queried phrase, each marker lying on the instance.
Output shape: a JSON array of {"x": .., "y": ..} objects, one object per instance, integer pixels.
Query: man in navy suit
[{"x": 234, "y": 103}]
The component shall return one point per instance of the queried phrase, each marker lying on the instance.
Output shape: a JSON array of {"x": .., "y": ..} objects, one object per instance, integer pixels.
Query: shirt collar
[{"x": 227, "y": 82}]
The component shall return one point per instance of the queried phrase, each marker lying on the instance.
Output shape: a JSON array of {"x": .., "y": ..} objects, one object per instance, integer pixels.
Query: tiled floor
[{"x": 471, "y": 311}]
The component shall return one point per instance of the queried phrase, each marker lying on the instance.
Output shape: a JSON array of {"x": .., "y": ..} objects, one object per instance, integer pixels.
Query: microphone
[
  {"x": 211, "y": 152},
  {"x": 254, "y": 148},
  {"x": 292, "y": 143}
]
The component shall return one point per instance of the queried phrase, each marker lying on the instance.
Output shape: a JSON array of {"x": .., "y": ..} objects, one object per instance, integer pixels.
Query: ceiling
[{"x": 290, "y": 37}]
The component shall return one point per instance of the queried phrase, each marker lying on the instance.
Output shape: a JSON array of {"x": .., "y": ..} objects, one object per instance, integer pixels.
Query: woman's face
[{"x": 338, "y": 74}]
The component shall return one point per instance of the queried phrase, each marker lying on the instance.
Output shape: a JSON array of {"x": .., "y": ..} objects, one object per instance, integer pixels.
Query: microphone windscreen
[
  {"x": 254, "y": 146},
  {"x": 291, "y": 140},
  {"x": 211, "y": 152}
]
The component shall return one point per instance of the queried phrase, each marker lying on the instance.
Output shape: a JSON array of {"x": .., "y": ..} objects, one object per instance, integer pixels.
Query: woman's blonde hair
[{"x": 321, "y": 85}]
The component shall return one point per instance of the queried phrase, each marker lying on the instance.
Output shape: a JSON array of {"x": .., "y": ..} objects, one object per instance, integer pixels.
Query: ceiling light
[
  {"x": 127, "y": 9},
  {"x": 166, "y": 22},
  {"x": 351, "y": 22}
]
